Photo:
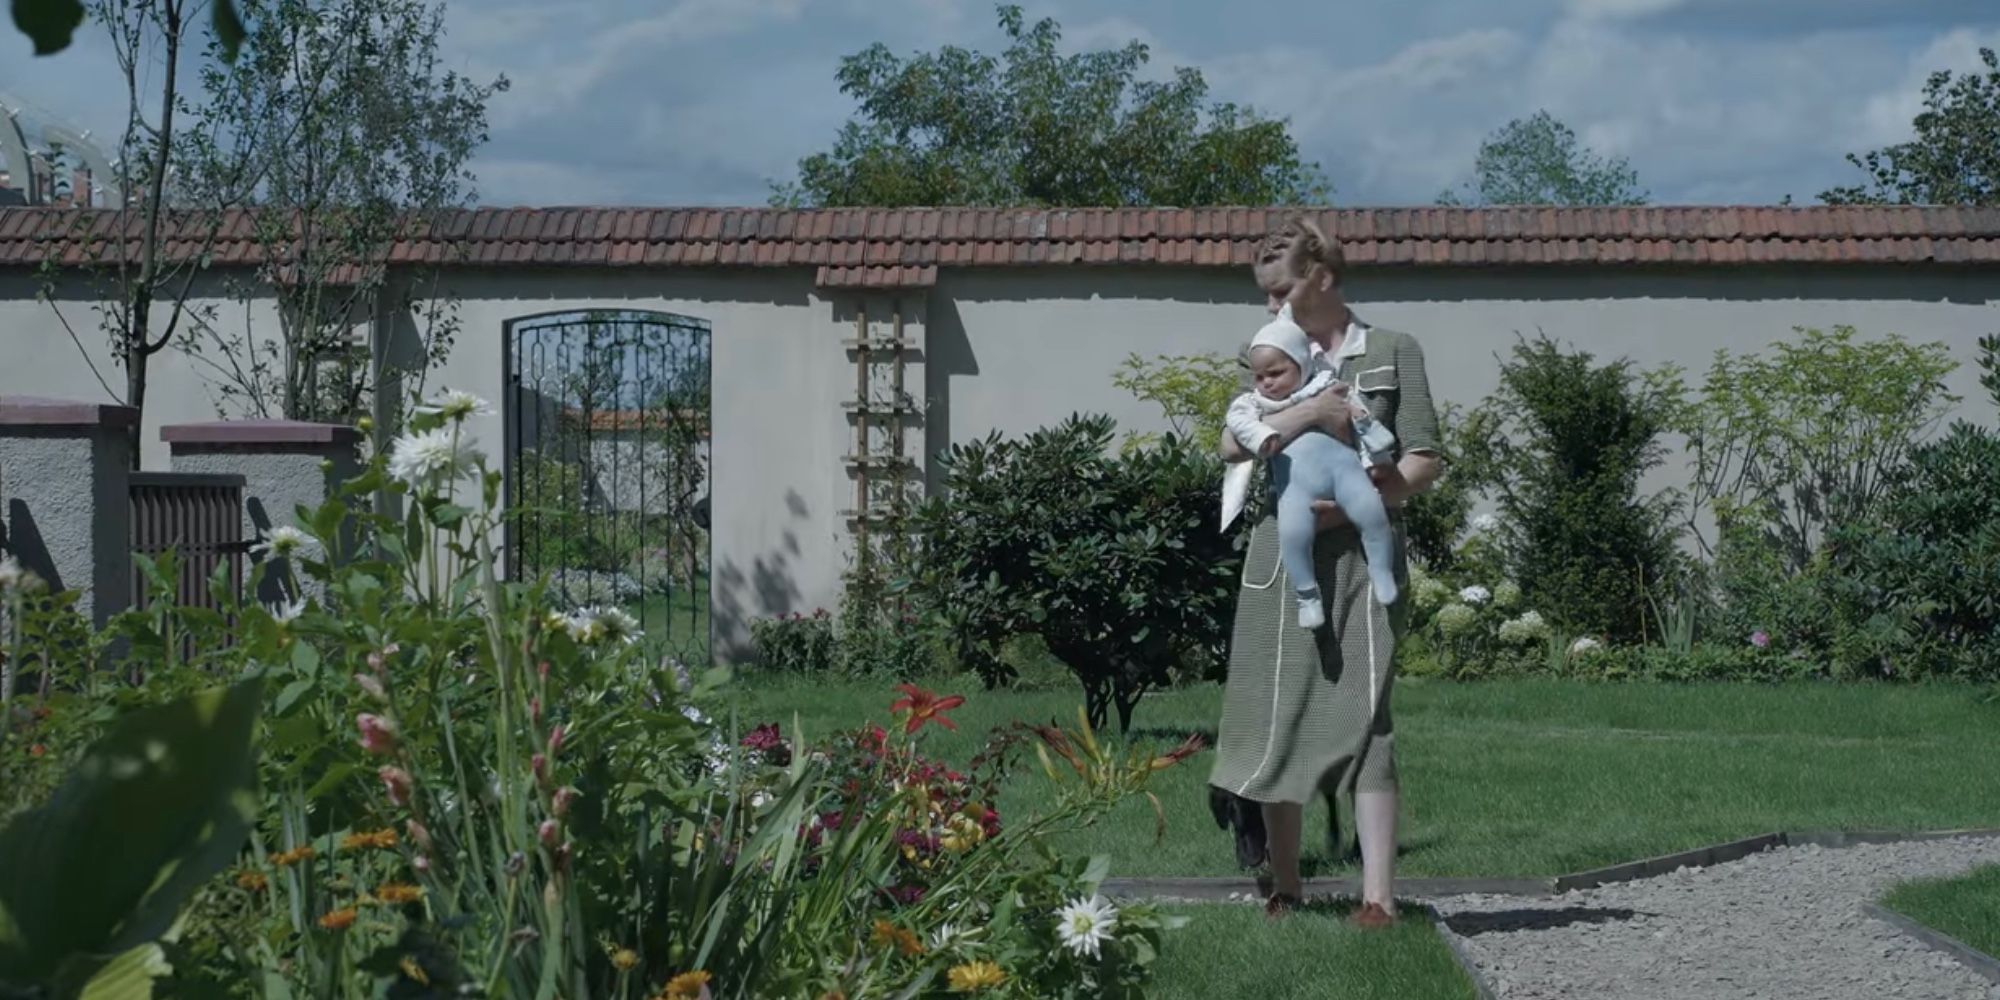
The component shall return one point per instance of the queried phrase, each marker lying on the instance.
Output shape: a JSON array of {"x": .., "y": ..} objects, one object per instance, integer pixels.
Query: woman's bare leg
[
  {"x": 1375, "y": 824},
  {"x": 1284, "y": 829}
]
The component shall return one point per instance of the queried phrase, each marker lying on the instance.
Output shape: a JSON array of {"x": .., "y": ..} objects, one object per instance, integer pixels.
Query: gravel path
[{"x": 1781, "y": 924}]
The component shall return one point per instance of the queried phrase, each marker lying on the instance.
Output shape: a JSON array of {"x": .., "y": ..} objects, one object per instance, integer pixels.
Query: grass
[
  {"x": 1312, "y": 954},
  {"x": 676, "y": 622},
  {"x": 1535, "y": 778},
  {"x": 1967, "y": 907}
]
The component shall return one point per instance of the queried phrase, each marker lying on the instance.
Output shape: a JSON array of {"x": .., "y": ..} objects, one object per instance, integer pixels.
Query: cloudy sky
[{"x": 708, "y": 101}]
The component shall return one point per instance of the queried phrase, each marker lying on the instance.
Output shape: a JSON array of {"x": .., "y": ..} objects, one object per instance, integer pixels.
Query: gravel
[{"x": 1784, "y": 923}]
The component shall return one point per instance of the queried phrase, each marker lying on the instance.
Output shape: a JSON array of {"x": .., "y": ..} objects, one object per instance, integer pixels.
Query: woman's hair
[{"x": 1300, "y": 244}]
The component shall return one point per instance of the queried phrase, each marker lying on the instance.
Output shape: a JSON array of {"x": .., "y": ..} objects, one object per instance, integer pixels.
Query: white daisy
[
  {"x": 593, "y": 625},
  {"x": 1584, "y": 645},
  {"x": 422, "y": 458},
  {"x": 945, "y": 936},
  {"x": 1475, "y": 594},
  {"x": 285, "y": 541},
  {"x": 286, "y": 612},
  {"x": 12, "y": 574},
  {"x": 1084, "y": 925},
  {"x": 456, "y": 405}
]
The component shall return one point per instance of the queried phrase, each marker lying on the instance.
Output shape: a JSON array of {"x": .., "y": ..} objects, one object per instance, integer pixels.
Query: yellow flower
[
  {"x": 886, "y": 934},
  {"x": 398, "y": 893},
  {"x": 962, "y": 834},
  {"x": 253, "y": 881},
  {"x": 686, "y": 986},
  {"x": 625, "y": 960},
  {"x": 339, "y": 920},
  {"x": 975, "y": 976},
  {"x": 286, "y": 859},
  {"x": 382, "y": 839},
  {"x": 414, "y": 971}
]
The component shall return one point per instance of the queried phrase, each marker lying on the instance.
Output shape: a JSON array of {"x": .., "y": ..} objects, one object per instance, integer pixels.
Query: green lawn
[
  {"x": 1536, "y": 778},
  {"x": 676, "y": 622},
  {"x": 1232, "y": 951},
  {"x": 1967, "y": 907}
]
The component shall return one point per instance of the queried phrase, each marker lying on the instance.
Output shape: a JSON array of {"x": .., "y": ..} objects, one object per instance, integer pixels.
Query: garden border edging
[{"x": 1972, "y": 958}]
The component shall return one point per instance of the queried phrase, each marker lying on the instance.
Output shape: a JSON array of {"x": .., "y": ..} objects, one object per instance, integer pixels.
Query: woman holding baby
[{"x": 1307, "y": 710}]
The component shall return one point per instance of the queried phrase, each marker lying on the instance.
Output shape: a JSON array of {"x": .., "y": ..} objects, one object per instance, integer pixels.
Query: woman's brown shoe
[{"x": 1372, "y": 917}]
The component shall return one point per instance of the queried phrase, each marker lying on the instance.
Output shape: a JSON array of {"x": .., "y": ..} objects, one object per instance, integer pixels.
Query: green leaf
[
  {"x": 228, "y": 27},
  {"x": 129, "y": 976},
  {"x": 153, "y": 810},
  {"x": 50, "y": 24},
  {"x": 291, "y": 695}
]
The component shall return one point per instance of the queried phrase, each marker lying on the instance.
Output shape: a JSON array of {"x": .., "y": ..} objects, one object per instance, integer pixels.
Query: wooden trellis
[{"x": 884, "y": 472}]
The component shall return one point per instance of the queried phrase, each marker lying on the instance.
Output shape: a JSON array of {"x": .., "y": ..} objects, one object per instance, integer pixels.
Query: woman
[{"x": 1306, "y": 711}]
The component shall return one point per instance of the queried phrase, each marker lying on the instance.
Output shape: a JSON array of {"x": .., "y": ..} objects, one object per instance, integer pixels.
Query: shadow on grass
[
  {"x": 1502, "y": 921},
  {"x": 1173, "y": 734}
]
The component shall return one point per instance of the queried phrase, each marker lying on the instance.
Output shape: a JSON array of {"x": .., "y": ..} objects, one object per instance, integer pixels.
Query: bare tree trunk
[{"x": 139, "y": 307}]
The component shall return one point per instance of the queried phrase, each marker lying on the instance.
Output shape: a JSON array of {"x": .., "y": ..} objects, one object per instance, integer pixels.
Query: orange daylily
[{"x": 925, "y": 706}]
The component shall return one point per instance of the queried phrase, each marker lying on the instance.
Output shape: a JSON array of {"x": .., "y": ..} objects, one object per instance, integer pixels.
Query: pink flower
[
  {"x": 555, "y": 741},
  {"x": 1760, "y": 639},
  {"x": 372, "y": 687},
  {"x": 548, "y": 832},
  {"x": 559, "y": 803},
  {"x": 540, "y": 765},
  {"x": 419, "y": 834},
  {"x": 535, "y": 709},
  {"x": 378, "y": 735},
  {"x": 397, "y": 782}
]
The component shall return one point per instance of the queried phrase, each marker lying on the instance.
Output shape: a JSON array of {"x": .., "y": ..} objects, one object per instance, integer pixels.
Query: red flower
[
  {"x": 38, "y": 750},
  {"x": 925, "y": 706}
]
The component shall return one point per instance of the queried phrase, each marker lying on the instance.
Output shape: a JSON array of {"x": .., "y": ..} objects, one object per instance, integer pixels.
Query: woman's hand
[{"x": 1329, "y": 412}]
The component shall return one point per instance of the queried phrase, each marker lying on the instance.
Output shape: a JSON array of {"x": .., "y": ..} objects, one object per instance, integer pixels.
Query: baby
[{"x": 1315, "y": 466}]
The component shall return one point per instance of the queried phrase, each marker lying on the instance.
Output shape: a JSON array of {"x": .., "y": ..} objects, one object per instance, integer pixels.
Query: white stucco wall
[{"x": 1014, "y": 349}]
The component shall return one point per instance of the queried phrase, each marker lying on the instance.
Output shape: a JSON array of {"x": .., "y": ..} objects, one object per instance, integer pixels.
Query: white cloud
[
  {"x": 1618, "y": 9},
  {"x": 1886, "y": 117}
]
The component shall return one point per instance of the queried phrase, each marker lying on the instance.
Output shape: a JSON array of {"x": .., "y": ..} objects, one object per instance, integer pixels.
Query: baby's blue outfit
[{"x": 1317, "y": 466}]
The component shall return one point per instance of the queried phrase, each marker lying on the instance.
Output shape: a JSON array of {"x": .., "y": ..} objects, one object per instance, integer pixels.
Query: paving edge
[
  {"x": 1972, "y": 958},
  {"x": 1482, "y": 987},
  {"x": 1222, "y": 889}
]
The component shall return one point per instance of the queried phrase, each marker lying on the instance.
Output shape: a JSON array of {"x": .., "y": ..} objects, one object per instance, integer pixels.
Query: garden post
[
  {"x": 65, "y": 471},
  {"x": 285, "y": 465}
]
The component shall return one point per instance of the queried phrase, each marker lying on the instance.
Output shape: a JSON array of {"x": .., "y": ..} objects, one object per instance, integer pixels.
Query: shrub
[
  {"x": 1437, "y": 518},
  {"x": 1564, "y": 443},
  {"x": 1114, "y": 561},
  {"x": 796, "y": 643},
  {"x": 1193, "y": 390},
  {"x": 1936, "y": 552},
  {"x": 1808, "y": 437}
]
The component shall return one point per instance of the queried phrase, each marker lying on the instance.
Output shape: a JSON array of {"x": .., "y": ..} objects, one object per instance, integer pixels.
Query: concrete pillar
[
  {"x": 285, "y": 465},
  {"x": 65, "y": 470}
]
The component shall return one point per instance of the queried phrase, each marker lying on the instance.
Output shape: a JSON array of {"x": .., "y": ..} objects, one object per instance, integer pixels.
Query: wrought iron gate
[{"x": 608, "y": 467}]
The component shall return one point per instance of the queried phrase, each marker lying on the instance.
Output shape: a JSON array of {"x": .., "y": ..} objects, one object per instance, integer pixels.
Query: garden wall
[{"x": 1009, "y": 349}]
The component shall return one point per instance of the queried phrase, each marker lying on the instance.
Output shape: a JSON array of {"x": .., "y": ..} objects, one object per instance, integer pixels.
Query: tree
[
  {"x": 52, "y": 24},
  {"x": 1113, "y": 560},
  {"x": 1955, "y": 157},
  {"x": 141, "y": 284},
  {"x": 1537, "y": 161},
  {"x": 1036, "y": 127},
  {"x": 353, "y": 134}
]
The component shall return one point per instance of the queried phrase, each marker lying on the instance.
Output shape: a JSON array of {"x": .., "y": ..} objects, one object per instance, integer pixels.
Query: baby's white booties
[{"x": 1312, "y": 610}]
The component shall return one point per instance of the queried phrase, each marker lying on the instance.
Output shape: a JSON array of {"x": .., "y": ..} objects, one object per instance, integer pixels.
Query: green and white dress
[{"x": 1306, "y": 712}]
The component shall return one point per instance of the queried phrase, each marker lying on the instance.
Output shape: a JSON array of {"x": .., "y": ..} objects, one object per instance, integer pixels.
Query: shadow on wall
[
  {"x": 949, "y": 354},
  {"x": 764, "y": 589},
  {"x": 23, "y": 540}
]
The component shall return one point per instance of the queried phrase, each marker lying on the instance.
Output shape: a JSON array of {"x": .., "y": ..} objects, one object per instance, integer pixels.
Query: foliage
[
  {"x": 796, "y": 643},
  {"x": 467, "y": 790},
  {"x": 154, "y": 809},
  {"x": 1565, "y": 442},
  {"x": 341, "y": 130},
  {"x": 1808, "y": 436},
  {"x": 51, "y": 24},
  {"x": 1954, "y": 158},
  {"x": 1193, "y": 390},
  {"x": 1538, "y": 161},
  {"x": 1114, "y": 561},
  {"x": 1036, "y": 126},
  {"x": 1436, "y": 518},
  {"x": 1936, "y": 550}
]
